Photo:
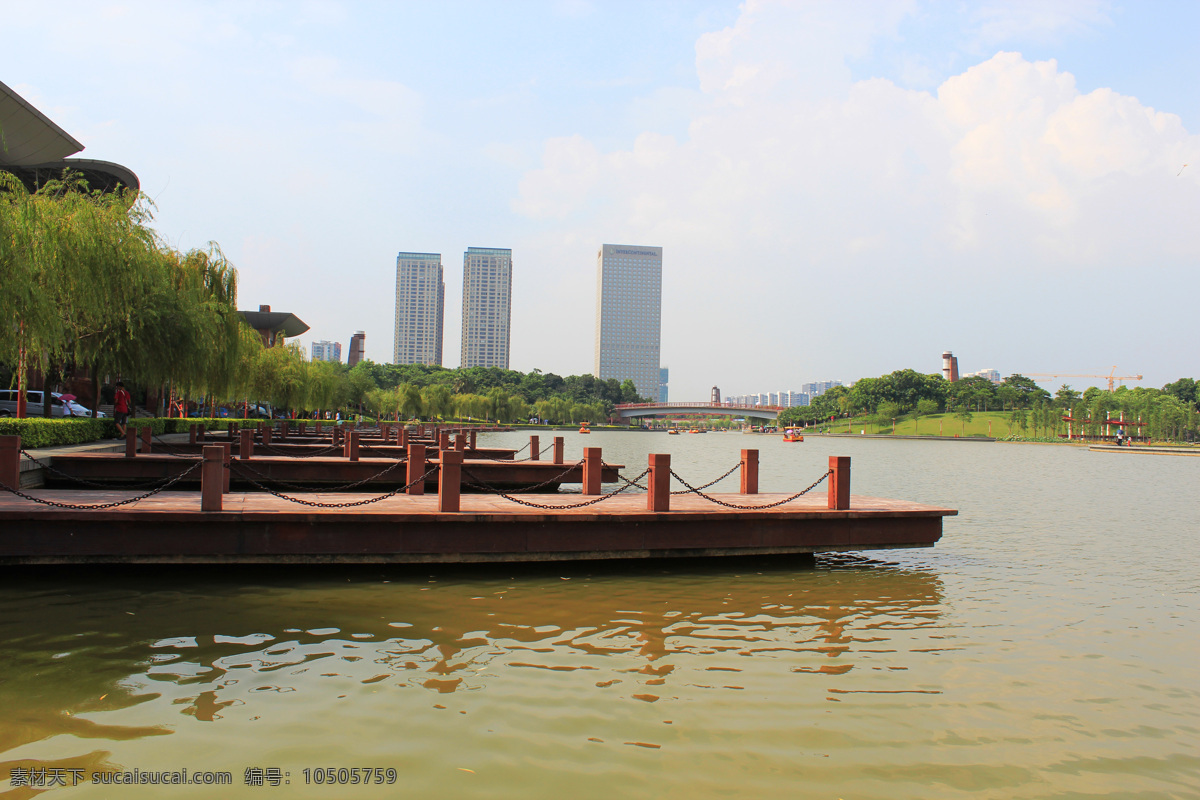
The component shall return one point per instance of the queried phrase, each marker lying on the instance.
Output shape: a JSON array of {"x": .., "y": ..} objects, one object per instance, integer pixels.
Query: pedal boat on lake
[{"x": 791, "y": 436}]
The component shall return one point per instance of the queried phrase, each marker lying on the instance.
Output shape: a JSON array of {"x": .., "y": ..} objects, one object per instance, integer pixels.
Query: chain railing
[
  {"x": 96, "y": 484},
  {"x": 276, "y": 452},
  {"x": 511, "y": 460},
  {"x": 350, "y": 504},
  {"x": 551, "y": 506},
  {"x": 556, "y": 479},
  {"x": 693, "y": 490},
  {"x": 99, "y": 506},
  {"x": 245, "y": 465}
]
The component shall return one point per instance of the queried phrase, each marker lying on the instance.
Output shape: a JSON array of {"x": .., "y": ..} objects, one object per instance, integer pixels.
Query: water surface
[{"x": 1046, "y": 647}]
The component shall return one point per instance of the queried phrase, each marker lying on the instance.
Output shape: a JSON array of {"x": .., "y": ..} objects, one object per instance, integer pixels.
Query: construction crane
[{"x": 1110, "y": 377}]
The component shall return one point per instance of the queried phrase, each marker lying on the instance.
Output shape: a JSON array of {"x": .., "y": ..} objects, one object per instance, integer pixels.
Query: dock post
[
  {"x": 130, "y": 441},
  {"x": 592, "y": 464},
  {"x": 443, "y": 440},
  {"x": 535, "y": 450},
  {"x": 318, "y": 427},
  {"x": 10, "y": 461},
  {"x": 285, "y": 431},
  {"x": 749, "y": 472},
  {"x": 658, "y": 498},
  {"x": 228, "y": 456},
  {"x": 266, "y": 433},
  {"x": 460, "y": 441},
  {"x": 558, "y": 449},
  {"x": 402, "y": 436},
  {"x": 210, "y": 478},
  {"x": 472, "y": 440},
  {"x": 416, "y": 468},
  {"x": 839, "y": 482},
  {"x": 200, "y": 431},
  {"x": 145, "y": 431},
  {"x": 303, "y": 428},
  {"x": 352, "y": 445},
  {"x": 246, "y": 446},
  {"x": 449, "y": 480},
  {"x": 191, "y": 434}
]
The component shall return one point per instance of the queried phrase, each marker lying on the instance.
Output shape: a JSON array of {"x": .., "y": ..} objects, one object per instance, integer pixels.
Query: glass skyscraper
[
  {"x": 628, "y": 311},
  {"x": 420, "y": 309},
  {"x": 487, "y": 307}
]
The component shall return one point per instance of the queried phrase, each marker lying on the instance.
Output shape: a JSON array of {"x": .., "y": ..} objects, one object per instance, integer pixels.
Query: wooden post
[
  {"x": 449, "y": 480},
  {"x": 839, "y": 482},
  {"x": 402, "y": 436},
  {"x": 352, "y": 445},
  {"x": 130, "y": 441},
  {"x": 10, "y": 461},
  {"x": 200, "y": 431},
  {"x": 416, "y": 468},
  {"x": 535, "y": 449},
  {"x": 472, "y": 443},
  {"x": 318, "y": 427},
  {"x": 285, "y": 431},
  {"x": 460, "y": 441},
  {"x": 145, "y": 432},
  {"x": 592, "y": 465},
  {"x": 228, "y": 456},
  {"x": 266, "y": 433},
  {"x": 658, "y": 498},
  {"x": 191, "y": 434},
  {"x": 558, "y": 449},
  {"x": 303, "y": 428},
  {"x": 443, "y": 440},
  {"x": 246, "y": 446},
  {"x": 749, "y": 472},
  {"x": 211, "y": 479}
]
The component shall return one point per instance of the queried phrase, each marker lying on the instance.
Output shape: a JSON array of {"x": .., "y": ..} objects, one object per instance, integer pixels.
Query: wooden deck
[{"x": 260, "y": 528}]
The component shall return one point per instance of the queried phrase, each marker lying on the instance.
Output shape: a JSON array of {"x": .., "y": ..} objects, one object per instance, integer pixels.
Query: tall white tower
[{"x": 628, "y": 315}]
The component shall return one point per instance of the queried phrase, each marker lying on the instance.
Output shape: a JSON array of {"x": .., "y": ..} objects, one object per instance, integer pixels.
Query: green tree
[
  {"x": 963, "y": 413},
  {"x": 924, "y": 408}
]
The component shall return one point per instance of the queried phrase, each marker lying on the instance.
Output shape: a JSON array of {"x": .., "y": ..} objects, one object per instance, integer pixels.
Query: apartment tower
[
  {"x": 486, "y": 307},
  {"x": 420, "y": 309},
  {"x": 628, "y": 312}
]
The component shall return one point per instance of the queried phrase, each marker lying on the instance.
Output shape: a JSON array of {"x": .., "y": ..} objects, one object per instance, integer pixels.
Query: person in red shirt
[{"x": 121, "y": 403}]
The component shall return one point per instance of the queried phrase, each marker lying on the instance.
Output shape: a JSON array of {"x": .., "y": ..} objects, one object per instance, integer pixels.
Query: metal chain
[
  {"x": 98, "y": 506},
  {"x": 368, "y": 501},
  {"x": 169, "y": 446},
  {"x": 274, "y": 451},
  {"x": 512, "y": 459},
  {"x": 556, "y": 479},
  {"x": 242, "y": 463},
  {"x": 732, "y": 470},
  {"x": 555, "y": 507},
  {"x": 95, "y": 484},
  {"x": 750, "y": 508}
]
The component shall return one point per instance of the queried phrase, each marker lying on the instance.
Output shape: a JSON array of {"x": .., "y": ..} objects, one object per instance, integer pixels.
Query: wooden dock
[{"x": 163, "y": 525}]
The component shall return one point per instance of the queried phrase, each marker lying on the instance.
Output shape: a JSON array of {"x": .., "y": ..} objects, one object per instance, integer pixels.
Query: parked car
[{"x": 34, "y": 401}]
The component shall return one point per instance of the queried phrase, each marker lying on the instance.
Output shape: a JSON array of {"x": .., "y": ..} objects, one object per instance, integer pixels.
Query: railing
[{"x": 623, "y": 406}]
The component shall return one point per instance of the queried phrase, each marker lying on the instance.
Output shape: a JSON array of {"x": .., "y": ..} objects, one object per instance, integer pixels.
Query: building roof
[
  {"x": 34, "y": 149},
  {"x": 283, "y": 322}
]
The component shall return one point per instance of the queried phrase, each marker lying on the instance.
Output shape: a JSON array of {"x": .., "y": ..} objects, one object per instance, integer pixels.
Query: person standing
[{"x": 121, "y": 403}]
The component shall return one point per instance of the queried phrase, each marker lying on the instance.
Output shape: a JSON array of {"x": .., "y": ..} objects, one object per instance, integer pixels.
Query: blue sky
[{"x": 840, "y": 189}]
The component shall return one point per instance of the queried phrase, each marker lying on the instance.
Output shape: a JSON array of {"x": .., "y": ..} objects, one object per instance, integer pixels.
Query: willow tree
[{"x": 73, "y": 263}]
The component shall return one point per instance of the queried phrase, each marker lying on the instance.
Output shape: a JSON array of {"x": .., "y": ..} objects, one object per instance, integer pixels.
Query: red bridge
[{"x": 627, "y": 410}]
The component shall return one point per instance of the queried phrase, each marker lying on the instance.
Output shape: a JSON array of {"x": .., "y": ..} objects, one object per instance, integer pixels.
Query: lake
[{"x": 1046, "y": 647}]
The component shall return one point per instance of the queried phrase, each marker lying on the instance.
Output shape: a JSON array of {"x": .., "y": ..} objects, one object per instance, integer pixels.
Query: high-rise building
[
  {"x": 326, "y": 351},
  {"x": 949, "y": 366},
  {"x": 420, "y": 309},
  {"x": 664, "y": 382},
  {"x": 486, "y": 307},
  {"x": 628, "y": 312},
  {"x": 358, "y": 348}
]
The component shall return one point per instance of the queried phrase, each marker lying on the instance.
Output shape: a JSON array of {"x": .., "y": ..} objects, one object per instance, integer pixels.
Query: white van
[{"x": 34, "y": 400}]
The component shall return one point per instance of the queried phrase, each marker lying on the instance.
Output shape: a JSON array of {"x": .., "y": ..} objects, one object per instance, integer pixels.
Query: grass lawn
[{"x": 983, "y": 423}]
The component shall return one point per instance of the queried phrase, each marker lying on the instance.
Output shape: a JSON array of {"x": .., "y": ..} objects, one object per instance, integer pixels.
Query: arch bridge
[{"x": 629, "y": 410}]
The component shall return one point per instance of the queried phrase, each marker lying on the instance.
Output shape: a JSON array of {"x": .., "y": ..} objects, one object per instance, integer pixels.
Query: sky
[{"x": 840, "y": 189}]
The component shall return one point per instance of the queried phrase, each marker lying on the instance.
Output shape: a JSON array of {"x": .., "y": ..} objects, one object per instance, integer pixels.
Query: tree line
[{"x": 1169, "y": 412}]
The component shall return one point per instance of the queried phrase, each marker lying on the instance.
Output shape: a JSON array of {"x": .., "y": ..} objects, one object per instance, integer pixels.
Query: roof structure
[
  {"x": 273, "y": 324},
  {"x": 34, "y": 149}
]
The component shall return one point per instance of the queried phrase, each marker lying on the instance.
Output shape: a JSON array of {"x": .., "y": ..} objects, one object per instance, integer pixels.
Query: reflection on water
[{"x": 1045, "y": 647}]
